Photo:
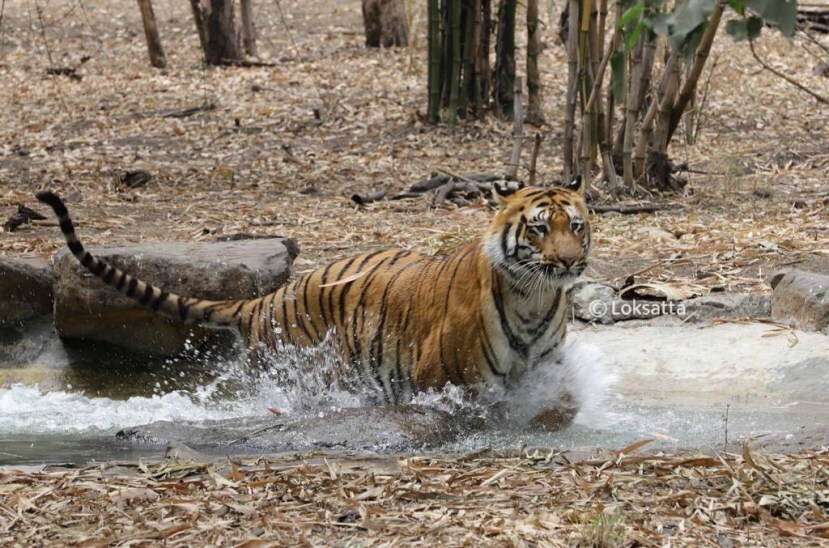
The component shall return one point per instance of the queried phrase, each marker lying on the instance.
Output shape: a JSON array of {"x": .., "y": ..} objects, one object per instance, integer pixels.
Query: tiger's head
[{"x": 540, "y": 236}]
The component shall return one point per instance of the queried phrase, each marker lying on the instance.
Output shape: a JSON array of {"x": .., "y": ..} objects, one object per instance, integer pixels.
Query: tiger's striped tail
[{"x": 186, "y": 309}]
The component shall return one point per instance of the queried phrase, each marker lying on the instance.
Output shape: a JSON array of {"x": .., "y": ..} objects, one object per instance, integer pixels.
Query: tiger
[{"x": 403, "y": 323}]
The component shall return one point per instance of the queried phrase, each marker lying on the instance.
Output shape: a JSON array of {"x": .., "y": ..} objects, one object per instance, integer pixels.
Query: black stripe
[
  {"x": 148, "y": 294},
  {"x": 376, "y": 356},
  {"x": 286, "y": 327},
  {"x": 300, "y": 317},
  {"x": 343, "y": 289},
  {"x": 486, "y": 346},
  {"x": 504, "y": 235},
  {"x": 158, "y": 300},
  {"x": 121, "y": 281},
  {"x": 87, "y": 259},
  {"x": 514, "y": 341},
  {"x": 239, "y": 308},
  {"x": 307, "y": 311},
  {"x": 539, "y": 330},
  {"x": 110, "y": 273},
  {"x": 183, "y": 308},
  {"x": 254, "y": 316},
  {"x": 75, "y": 247},
  {"x": 98, "y": 268},
  {"x": 460, "y": 259},
  {"x": 323, "y": 281},
  {"x": 66, "y": 226},
  {"x": 131, "y": 287}
]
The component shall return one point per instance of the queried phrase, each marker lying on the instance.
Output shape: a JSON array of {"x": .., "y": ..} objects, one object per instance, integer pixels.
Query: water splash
[{"x": 298, "y": 381}]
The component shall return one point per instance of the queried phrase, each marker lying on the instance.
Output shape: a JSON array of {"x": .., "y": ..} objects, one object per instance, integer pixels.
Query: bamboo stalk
[
  {"x": 478, "y": 60},
  {"x": 505, "y": 58},
  {"x": 700, "y": 57},
  {"x": 535, "y": 113},
  {"x": 455, "y": 77},
  {"x": 650, "y": 116},
  {"x": 632, "y": 109},
  {"x": 572, "y": 89},
  {"x": 517, "y": 131},
  {"x": 534, "y": 158},
  {"x": 586, "y": 80},
  {"x": 434, "y": 61},
  {"x": 657, "y": 154},
  {"x": 467, "y": 64}
]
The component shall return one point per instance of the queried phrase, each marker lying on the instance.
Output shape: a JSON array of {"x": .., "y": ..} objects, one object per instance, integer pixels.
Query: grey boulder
[
  {"x": 87, "y": 309},
  {"x": 801, "y": 298},
  {"x": 25, "y": 290}
]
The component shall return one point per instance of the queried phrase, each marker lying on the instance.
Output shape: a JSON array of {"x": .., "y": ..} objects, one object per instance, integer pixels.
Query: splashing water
[{"x": 297, "y": 381}]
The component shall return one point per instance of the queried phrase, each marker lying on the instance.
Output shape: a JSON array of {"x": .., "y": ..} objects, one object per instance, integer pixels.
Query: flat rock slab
[
  {"x": 25, "y": 290},
  {"x": 386, "y": 428},
  {"x": 86, "y": 308},
  {"x": 701, "y": 365},
  {"x": 801, "y": 298}
]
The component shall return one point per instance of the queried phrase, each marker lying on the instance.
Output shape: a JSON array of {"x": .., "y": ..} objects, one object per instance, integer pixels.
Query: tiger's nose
[{"x": 567, "y": 261}]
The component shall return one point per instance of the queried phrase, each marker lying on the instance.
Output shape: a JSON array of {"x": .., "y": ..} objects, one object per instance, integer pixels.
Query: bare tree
[
  {"x": 386, "y": 23},
  {"x": 248, "y": 28},
  {"x": 217, "y": 31},
  {"x": 157, "y": 57}
]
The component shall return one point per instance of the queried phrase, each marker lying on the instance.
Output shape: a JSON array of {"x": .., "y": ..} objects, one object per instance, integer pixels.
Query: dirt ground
[{"x": 260, "y": 161}]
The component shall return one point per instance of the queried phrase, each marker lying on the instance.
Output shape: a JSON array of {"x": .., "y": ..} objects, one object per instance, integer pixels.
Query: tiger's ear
[
  {"x": 576, "y": 185},
  {"x": 502, "y": 190}
]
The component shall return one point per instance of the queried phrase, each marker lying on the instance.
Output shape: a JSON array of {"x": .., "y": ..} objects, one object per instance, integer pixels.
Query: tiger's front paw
[{"x": 558, "y": 417}]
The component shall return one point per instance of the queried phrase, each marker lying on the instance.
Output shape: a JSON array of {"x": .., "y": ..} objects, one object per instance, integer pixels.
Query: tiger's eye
[{"x": 576, "y": 225}]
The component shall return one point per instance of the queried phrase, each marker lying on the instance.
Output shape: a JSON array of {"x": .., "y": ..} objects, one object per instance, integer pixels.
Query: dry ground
[
  {"x": 260, "y": 162},
  {"x": 537, "y": 498}
]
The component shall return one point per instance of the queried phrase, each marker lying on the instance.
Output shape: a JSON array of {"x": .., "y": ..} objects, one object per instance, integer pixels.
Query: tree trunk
[
  {"x": 157, "y": 57},
  {"x": 385, "y": 23},
  {"x": 572, "y": 90},
  {"x": 248, "y": 29},
  {"x": 435, "y": 76},
  {"x": 217, "y": 31},
  {"x": 505, "y": 58},
  {"x": 535, "y": 112}
]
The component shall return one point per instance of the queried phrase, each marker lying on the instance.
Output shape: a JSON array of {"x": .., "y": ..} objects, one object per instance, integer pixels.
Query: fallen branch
[
  {"x": 442, "y": 194},
  {"x": 363, "y": 199},
  {"x": 64, "y": 71},
  {"x": 429, "y": 184},
  {"x": 22, "y": 216},
  {"x": 630, "y": 209},
  {"x": 190, "y": 111}
]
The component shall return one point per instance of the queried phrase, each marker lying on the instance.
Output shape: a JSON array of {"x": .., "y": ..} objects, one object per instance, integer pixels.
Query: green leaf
[
  {"x": 634, "y": 36},
  {"x": 740, "y": 29},
  {"x": 618, "y": 69},
  {"x": 738, "y": 5},
  {"x": 782, "y": 13},
  {"x": 688, "y": 17},
  {"x": 632, "y": 14}
]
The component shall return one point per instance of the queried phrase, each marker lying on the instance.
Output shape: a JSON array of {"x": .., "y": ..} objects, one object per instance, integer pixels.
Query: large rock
[
  {"x": 85, "y": 308},
  {"x": 801, "y": 298},
  {"x": 725, "y": 306},
  {"x": 25, "y": 290}
]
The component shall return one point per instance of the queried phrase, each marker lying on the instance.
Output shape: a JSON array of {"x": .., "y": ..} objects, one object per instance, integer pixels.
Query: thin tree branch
[{"x": 798, "y": 85}]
